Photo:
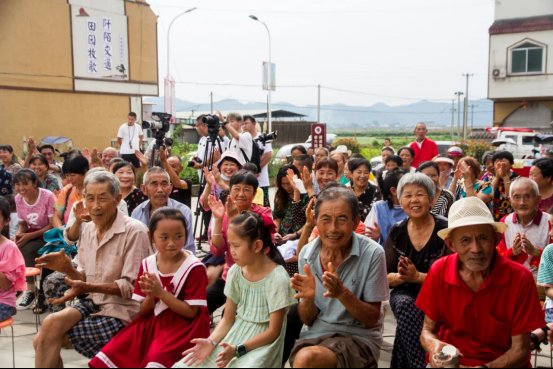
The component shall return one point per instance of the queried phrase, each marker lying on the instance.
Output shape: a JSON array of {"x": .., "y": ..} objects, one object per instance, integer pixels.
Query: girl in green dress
[{"x": 251, "y": 332}]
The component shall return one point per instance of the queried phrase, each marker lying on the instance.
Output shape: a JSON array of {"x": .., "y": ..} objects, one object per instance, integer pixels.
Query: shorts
[
  {"x": 6, "y": 311},
  {"x": 549, "y": 315},
  {"x": 91, "y": 334},
  {"x": 211, "y": 259},
  {"x": 350, "y": 352}
]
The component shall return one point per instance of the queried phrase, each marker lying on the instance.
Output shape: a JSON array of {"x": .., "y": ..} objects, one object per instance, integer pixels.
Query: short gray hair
[
  {"x": 417, "y": 179},
  {"x": 335, "y": 192},
  {"x": 100, "y": 175},
  {"x": 521, "y": 181},
  {"x": 155, "y": 170}
]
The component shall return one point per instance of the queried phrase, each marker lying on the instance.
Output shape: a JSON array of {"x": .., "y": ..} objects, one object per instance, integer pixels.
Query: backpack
[{"x": 256, "y": 155}]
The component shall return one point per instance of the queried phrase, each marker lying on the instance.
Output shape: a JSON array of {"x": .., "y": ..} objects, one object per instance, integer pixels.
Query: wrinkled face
[
  {"x": 433, "y": 174},
  {"x": 107, "y": 155},
  {"x": 169, "y": 237},
  {"x": 360, "y": 176},
  {"x": 229, "y": 168},
  {"x": 126, "y": 177},
  {"x": 242, "y": 251},
  {"x": 415, "y": 201},
  {"x": 524, "y": 200},
  {"x": 324, "y": 176},
  {"x": 242, "y": 195},
  {"x": 405, "y": 155},
  {"x": 420, "y": 132},
  {"x": 99, "y": 202},
  {"x": 475, "y": 246},
  {"x": 39, "y": 168},
  {"x": 537, "y": 176},
  {"x": 336, "y": 224},
  {"x": 158, "y": 189}
]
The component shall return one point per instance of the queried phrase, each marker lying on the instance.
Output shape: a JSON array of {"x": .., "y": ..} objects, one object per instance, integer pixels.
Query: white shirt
[
  {"x": 264, "y": 175},
  {"x": 130, "y": 136},
  {"x": 244, "y": 142}
]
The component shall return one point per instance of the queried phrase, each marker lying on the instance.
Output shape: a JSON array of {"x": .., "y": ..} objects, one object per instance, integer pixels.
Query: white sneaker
[{"x": 26, "y": 300}]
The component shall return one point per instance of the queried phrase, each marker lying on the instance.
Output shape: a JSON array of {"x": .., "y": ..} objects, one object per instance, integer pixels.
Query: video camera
[
  {"x": 213, "y": 126},
  {"x": 159, "y": 126},
  {"x": 267, "y": 137}
]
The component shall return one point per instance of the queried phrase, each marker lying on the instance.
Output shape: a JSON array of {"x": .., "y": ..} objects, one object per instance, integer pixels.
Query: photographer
[
  {"x": 242, "y": 141},
  {"x": 250, "y": 125},
  {"x": 130, "y": 137}
]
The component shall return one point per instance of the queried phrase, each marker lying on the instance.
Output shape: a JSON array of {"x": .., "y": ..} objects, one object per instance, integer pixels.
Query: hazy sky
[{"x": 361, "y": 52}]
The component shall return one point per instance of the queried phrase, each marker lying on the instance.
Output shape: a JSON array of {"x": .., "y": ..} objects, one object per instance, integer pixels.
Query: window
[{"x": 527, "y": 58}]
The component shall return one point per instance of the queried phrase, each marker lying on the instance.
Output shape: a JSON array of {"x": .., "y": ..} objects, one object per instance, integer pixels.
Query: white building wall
[
  {"x": 510, "y": 9},
  {"x": 519, "y": 86}
]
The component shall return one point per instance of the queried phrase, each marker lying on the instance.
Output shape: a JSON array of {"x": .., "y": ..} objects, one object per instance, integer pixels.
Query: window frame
[{"x": 535, "y": 45}]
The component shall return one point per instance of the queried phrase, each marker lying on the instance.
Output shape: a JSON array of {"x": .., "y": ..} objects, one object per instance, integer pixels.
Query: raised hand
[
  {"x": 290, "y": 175},
  {"x": 517, "y": 245},
  {"x": 57, "y": 261},
  {"x": 231, "y": 208},
  {"x": 332, "y": 282},
  {"x": 81, "y": 213},
  {"x": 225, "y": 356},
  {"x": 310, "y": 212},
  {"x": 209, "y": 178},
  {"x": 197, "y": 354},
  {"x": 304, "y": 284},
  {"x": 307, "y": 178},
  {"x": 216, "y": 206},
  {"x": 143, "y": 159}
]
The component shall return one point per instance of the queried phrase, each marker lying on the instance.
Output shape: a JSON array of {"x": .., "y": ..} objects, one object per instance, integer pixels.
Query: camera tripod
[{"x": 209, "y": 155}]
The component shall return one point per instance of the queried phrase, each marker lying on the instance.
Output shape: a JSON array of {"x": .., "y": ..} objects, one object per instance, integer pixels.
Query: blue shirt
[
  {"x": 142, "y": 214},
  {"x": 364, "y": 274}
]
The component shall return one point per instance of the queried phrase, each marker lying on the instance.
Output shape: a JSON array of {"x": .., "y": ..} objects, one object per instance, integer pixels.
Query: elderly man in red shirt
[
  {"x": 425, "y": 149},
  {"x": 477, "y": 300}
]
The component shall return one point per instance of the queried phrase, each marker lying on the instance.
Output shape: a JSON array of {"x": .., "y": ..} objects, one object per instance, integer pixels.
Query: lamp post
[
  {"x": 269, "y": 114},
  {"x": 168, "y": 78}
]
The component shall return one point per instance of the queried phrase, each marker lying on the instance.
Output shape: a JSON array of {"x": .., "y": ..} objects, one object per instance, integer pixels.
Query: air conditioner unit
[{"x": 499, "y": 73}]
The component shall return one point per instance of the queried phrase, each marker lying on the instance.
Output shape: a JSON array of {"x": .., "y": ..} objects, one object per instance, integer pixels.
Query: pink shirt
[
  {"x": 37, "y": 215},
  {"x": 12, "y": 265}
]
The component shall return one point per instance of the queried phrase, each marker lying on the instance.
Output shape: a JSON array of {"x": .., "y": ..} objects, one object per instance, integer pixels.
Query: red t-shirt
[
  {"x": 481, "y": 324},
  {"x": 427, "y": 151}
]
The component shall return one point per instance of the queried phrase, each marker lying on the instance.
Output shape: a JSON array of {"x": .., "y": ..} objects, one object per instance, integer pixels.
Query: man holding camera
[
  {"x": 250, "y": 125},
  {"x": 242, "y": 141},
  {"x": 130, "y": 137}
]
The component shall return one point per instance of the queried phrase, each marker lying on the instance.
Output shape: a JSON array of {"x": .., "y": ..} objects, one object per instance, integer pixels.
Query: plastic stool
[
  {"x": 35, "y": 273},
  {"x": 5, "y": 324}
]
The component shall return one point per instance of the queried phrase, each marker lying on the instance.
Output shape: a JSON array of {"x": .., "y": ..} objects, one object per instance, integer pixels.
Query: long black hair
[
  {"x": 282, "y": 198},
  {"x": 251, "y": 226}
]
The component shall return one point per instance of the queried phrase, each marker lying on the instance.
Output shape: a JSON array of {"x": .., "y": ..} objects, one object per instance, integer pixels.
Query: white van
[{"x": 520, "y": 141}]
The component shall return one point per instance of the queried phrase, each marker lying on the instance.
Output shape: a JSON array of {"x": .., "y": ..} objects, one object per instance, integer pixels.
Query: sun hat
[
  {"x": 444, "y": 159},
  {"x": 342, "y": 149},
  {"x": 231, "y": 155},
  {"x": 455, "y": 151},
  {"x": 470, "y": 211}
]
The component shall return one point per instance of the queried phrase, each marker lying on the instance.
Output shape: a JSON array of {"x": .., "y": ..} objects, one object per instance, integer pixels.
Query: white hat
[
  {"x": 342, "y": 149},
  {"x": 470, "y": 211}
]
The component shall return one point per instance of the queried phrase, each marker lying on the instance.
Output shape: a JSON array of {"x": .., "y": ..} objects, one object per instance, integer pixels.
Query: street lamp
[
  {"x": 168, "y": 78},
  {"x": 269, "y": 114}
]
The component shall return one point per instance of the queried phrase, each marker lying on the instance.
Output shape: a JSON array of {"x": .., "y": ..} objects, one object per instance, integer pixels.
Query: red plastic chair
[{"x": 5, "y": 324}]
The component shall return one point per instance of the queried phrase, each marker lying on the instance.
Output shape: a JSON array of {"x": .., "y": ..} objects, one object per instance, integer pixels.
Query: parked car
[{"x": 283, "y": 154}]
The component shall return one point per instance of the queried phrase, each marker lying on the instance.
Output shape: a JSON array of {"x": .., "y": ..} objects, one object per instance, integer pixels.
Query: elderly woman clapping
[{"x": 411, "y": 248}]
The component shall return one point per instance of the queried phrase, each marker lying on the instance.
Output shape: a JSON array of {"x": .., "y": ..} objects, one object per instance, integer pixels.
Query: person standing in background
[
  {"x": 425, "y": 149},
  {"x": 130, "y": 137}
]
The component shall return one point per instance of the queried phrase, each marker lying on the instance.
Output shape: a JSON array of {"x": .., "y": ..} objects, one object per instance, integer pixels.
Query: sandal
[{"x": 40, "y": 306}]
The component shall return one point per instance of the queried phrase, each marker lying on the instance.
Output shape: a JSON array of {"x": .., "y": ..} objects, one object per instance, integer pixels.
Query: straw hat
[
  {"x": 444, "y": 159},
  {"x": 470, "y": 211},
  {"x": 343, "y": 149}
]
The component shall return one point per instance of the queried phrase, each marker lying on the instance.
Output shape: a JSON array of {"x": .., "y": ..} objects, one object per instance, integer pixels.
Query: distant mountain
[{"x": 337, "y": 116}]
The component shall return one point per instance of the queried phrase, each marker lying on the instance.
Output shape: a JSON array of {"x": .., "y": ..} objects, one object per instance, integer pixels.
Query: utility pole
[
  {"x": 459, "y": 94},
  {"x": 472, "y": 116},
  {"x": 211, "y": 98},
  {"x": 466, "y": 107},
  {"x": 319, "y": 104},
  {"x": 452, "y": 119}
]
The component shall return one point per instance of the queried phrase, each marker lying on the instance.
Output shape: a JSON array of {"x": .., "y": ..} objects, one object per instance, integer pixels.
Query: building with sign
[
  {"x": 74, "y": 68},
  {"x": 521, "y": 64}
]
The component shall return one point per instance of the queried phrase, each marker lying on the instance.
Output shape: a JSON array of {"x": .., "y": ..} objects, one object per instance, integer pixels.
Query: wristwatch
[{"x": 241, "y": 350}]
